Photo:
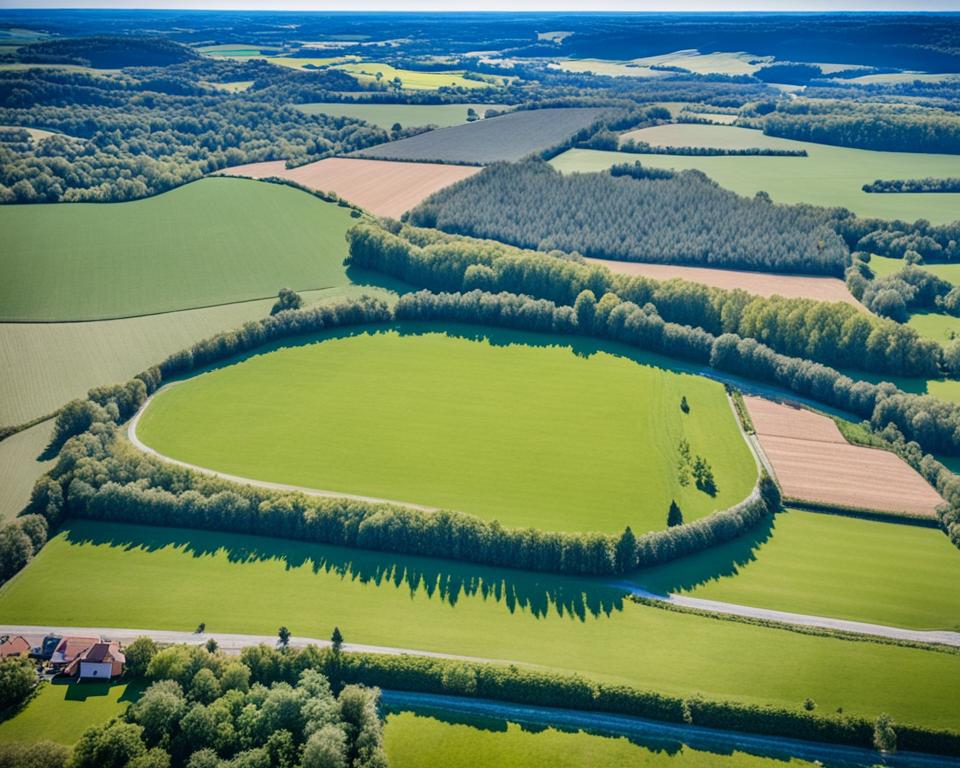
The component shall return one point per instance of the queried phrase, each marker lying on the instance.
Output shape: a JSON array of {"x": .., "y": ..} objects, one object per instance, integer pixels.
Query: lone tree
[
  {"x": 684, "y": 405},
  {"x": 626, "y": 553},
  {"x": 284, "y": 634},
  {"x": 337, "y": 640},
  {"x": 703, "y": 474},
  {"x": 212, "y": 645},
  {"x": 674, "y": 516},
  {"x": 683, "y": 464},
  {"x": 809, "y": 704},
  {"x": 287, "y": 299},
  {"x": 884, "y": 737}
]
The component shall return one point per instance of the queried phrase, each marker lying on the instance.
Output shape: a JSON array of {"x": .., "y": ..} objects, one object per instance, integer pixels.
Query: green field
[
  {"x": 34, "y": 356},
  {"x": 934, "y": 325},
  {"x": 173, "y": 578},
  {"x": 21, "y": 466},
  {"x": 61, "y": 712},
  {"x": 386, "y": 115},
  {"x": 214, "y": 241},
  {"x": 828, "y": 565},
  {"x": 517, "y": 427},
  {"x": 885, "y": 265},
  {"x": 829, "y": 176},
  {"x": 426, "y": 740},
  {"x": 366, "y": 72}
]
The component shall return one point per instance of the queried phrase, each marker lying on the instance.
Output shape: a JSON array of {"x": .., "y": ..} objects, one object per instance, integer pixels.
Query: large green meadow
[
  {"x": 828, "y": 565},
  {"x": 519, "y": 427},
  {"x": 214, "y": 241},
  {"x": 169, "y": 578},
  {"x": 828, "y": 176},
  {"x": 428, "y": 739}
]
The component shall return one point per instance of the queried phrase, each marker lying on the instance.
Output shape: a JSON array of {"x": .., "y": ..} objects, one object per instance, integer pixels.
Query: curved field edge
[
  {"x": 34, "y": 356},
  {"x": 113, "y": 260},
  {"x": 580, "y": 435},
  {"x": 145, "y": 577}
]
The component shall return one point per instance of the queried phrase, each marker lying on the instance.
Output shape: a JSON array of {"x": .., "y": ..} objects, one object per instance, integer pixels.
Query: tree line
[
  {"x": 914, "y": 185},
  {"x": 644, "y": 148},
  {"x": 831, "y": 333},
  {"x": 687, "y": 219}
]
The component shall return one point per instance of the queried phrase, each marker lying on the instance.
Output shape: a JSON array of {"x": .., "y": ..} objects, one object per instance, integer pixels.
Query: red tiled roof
[
  {"x": 14, "y": 646},
  {"x": 103, "y": 652},
  {"x": 71, "y": 647}
]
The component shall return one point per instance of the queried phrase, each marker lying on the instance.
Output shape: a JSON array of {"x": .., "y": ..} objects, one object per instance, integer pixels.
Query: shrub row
[{"x": 549, "y": 689}]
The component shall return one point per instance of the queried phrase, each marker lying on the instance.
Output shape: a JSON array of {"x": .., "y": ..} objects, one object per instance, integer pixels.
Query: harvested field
[
  {"x": 759, "y": 283},
  {"x": 814, "y": 463},
  {"x": 382, "y": 187},
  {"x": 507, "y": 137}
]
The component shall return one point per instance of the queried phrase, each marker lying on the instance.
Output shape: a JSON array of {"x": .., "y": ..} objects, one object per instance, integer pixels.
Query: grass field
[
  {"x": 366, "y": 72},
  {"x": 934, "y": 325},
  {"x": 828, "y": 565},
  {"x": 20, "y": 467},
  {"x": 829, "y": 176},
  {"x": 518, "y": 427},
  {"x": 172, "y": 578},
  {"x": 508, "y": 137},
  {"x": 211, "y": 242},
  {"x": 43, "y": 365},
  {"x": 386, "y": 115},
  {"x": 62, "y": 712},
  {"x": 885, "y": 265},
  {"x": 427, "y": 739}
]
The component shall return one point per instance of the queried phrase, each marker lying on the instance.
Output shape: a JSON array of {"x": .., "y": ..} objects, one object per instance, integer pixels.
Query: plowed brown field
[
  {"x": 759, "y": 283},
  {"x": 382, "y": 187},
  {"x": 813, "y": 462}
]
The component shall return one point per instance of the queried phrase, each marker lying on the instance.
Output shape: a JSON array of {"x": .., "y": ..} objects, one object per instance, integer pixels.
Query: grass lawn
[
  {"x": 428, "y": 739},
  {"x": 828, "y": 565},
  {"x": 829, "y": 176},
  {"x": 173, "y": 578},
  {"x": 21, "y": 467},
  {"x": 386, "y": 115},
  {"x": 34, "y": 356},
  {"x": 61, "y": 712},
  {"x": 214, "y": 241},
  {"x": 366, "y": 72},
  {"x": 519, "y": 427}
]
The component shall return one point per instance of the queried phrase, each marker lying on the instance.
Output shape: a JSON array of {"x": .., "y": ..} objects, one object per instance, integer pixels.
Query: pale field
[
  {"x": 21, "y": 466},
  {"x": 383, "y": 187}
]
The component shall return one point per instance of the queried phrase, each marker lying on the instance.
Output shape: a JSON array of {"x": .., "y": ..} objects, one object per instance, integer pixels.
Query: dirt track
[
  {"x": 384, "y": 188},
  {"x": 813, "y": 462},
  {"x": 758, "y": 283}
]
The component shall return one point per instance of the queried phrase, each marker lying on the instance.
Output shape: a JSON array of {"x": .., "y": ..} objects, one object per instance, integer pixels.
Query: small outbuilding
[{"x": 14, "y": 645}]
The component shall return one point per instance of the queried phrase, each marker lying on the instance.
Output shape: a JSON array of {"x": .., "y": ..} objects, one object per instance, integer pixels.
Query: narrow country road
[
  {"x": 939, "y": 637},
  {"x": 655, "y": 732}
]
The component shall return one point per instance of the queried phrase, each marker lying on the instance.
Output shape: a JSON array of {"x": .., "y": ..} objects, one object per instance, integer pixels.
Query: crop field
[
  {"x": 424, "y": 739},
  {"x": 237, "y": 86},
  {"x": 508, "y": 137},
  {"x": 33, "y": 356},
  {"x": 367, "y": 71},
  {"x": 174, "y": 578},
  {"x": 387, "y": 115},
  {"x": 87, "y": 261},
  {"x": 62, "y": 712},
  {"x": 382, "y": 187},
  {"x": 456, "y": 411},
  {"x": 814, "y": 462},
  {"x": 759, "y": 283},
  {"x": 715, "y": 117},
  {"x": 718, "y": 62},
  {"x": 829, "y": 176},
  {"x": 237, "y": 50},
  {"x": 827, "y": 565},
  {"x": 605, "y": 67},
  {"x": 21, "y": 464}
]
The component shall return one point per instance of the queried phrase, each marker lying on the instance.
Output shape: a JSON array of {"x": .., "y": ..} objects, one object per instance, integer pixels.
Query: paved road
[
  {"x": 659, "y": 734},
  {"x": 940, "y": 637},
  {"x": 229, "y": 643}
]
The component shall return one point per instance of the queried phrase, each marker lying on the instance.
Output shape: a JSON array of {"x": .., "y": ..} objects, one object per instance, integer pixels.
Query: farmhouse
[
  {"x": 69, "y": 648},
  {"x": 13, "y": 645},
  {"x": 100, "y": 661}
]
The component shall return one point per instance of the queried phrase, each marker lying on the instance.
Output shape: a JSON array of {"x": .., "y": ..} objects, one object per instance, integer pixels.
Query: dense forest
[
  {"x": 687, "y": 219},
  {"x": 107, "y": 52},
  {"x": 866, "y": 126}
]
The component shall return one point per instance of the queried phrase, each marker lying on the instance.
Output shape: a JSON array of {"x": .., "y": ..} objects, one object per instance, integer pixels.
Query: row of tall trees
[
  {"x": 687, "y": 219},
  {"x": 831, "y": 333},
  {"x": 914, "y": 185}
]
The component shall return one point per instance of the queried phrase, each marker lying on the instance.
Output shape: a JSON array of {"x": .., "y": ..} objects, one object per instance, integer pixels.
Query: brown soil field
[
  {"x": 758, "y": 283},
  {"x": 814, "y": 463},
  {"x": 382, "y": 187}
]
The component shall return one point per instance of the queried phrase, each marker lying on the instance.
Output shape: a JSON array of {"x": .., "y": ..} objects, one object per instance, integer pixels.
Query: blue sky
[{"x": 505, "y": 5}]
